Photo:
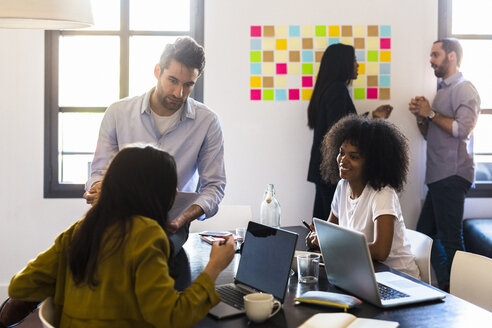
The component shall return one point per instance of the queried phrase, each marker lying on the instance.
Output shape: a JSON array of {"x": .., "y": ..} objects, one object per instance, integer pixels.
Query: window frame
[
  {"x": 445, "y": 16},
  {"x": 52, "y": 188}
]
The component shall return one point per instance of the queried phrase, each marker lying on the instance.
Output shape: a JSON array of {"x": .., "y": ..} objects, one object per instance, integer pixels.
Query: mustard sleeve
[
  {"x": 37, "y": 280},
  {"x": 160, "y": 304}
]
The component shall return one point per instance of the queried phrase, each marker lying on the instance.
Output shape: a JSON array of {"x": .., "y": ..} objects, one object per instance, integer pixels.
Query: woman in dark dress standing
[{"x": 329, "y": 103}]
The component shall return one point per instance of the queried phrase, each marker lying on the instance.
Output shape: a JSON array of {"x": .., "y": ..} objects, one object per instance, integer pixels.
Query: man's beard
[{"x": 441, "y": 70}]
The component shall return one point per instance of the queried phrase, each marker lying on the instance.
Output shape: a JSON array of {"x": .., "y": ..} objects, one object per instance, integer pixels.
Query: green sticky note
[
  {"x": 359, "y": 93},
  {"x": 255, "y": 56},
  {"x": 320, "y": 30},
  {"x": 307, "y": 69},
  {"x": 372, "y": 55},
  {"x": 267, "y": 94}
]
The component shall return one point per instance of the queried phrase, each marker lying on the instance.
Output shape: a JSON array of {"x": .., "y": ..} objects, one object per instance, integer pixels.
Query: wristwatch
[{"x": 431, "y": 115}]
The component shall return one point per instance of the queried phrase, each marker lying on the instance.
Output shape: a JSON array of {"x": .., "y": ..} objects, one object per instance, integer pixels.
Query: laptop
[
  {"x": 348, "y": 265},
  {"x": 264, "y": 266}
]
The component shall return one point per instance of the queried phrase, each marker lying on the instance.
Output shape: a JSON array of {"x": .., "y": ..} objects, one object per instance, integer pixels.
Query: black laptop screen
[{"x": 266, "y": 258}]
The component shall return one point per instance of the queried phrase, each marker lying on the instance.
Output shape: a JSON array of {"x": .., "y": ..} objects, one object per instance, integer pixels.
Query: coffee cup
[{"x": 259, "y": 306}]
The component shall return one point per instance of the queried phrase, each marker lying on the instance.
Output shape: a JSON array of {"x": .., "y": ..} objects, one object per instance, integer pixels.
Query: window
[
  {"x": 87, "y": 70},
  {"x": 468, "y": 21}
]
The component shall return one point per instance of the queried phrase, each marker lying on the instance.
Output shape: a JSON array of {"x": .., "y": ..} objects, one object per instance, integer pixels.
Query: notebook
[
  {"x": 348, "y": 265},
  {"x": 264, "y": 267}
]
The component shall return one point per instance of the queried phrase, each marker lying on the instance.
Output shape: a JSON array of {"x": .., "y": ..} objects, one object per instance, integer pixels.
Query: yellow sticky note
[
  {"x": 333, "y": 30},
  {"x": 255, "y": 81},
  {"x": 268, "y": 44},
  {"x": 281, "y": 31},
  {"x": 280, "y": 81},
  {"x": 316, "y": 68},
  {"x": 281, "y": 44},
  {"x": 307, "y": 30},
  {"x": 372, "y": 68},
  {"x": 294, "y": 43},
  {"x": 360, "y": 81},
  {"x": 372, "y": 43},
  {"x": 268, "y": 69},
  {"x": 293, "y": 68},
  {"x": 306, "y": 94},
  {"x": 281, "y": 56},
  {"x": 361, "y": 69},
  {"x": 320, "y": 43},
  {"x": 385, "y": 56},
  {"x": 359, "y": 30},
  {"x": 347, "y": 40}
]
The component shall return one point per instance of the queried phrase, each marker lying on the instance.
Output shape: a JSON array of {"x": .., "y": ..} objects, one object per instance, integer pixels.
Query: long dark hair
[
  {"x": 381, "y": 144},
  {"x": 337, "y": 64},
  {"x": 139, "y": 181}
]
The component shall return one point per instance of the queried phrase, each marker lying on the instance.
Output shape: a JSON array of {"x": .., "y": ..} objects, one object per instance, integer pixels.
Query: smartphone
[{"x": 215, "y": 233}]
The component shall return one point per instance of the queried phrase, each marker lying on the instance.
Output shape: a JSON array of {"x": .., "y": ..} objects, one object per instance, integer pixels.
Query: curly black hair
[{"x": 381, "y": 144}]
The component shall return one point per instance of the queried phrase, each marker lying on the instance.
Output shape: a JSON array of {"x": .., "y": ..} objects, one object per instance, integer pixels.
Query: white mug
[{"x": 259, "y": 306}]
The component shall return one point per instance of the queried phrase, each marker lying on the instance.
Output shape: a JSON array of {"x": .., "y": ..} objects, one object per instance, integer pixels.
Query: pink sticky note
[
  {"x": 307, "y": 81},
  {"x": 255, "y": 94},
  {"x": 385, "y": 43},
  {"x": 293, "y": 94},
  {"x": 255, "y": 30},
  {"x": 372, "y": 93},
  {"x": 281, "y": 68}
]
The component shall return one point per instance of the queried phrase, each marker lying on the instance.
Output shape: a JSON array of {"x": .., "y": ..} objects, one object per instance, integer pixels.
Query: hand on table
[{"x": 221, "y": 255}]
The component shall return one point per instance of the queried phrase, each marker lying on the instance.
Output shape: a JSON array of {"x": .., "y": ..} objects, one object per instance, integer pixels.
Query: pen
[{"x": 307, "y": 226}]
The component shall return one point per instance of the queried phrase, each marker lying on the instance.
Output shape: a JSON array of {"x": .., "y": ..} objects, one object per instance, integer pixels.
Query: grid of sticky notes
[{"x": 285, "y": 59}]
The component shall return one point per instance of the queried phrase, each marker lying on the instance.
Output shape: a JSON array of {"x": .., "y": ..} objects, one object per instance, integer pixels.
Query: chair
[
  {"x": 47, "y": 313},
  {"x": 228, "y": 217},
  {"x": 471, "y": 278},
  {"x": 421, "y": 245}
]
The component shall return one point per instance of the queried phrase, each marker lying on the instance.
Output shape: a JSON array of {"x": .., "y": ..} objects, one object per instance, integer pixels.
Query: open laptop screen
[{"x": 266, "y": 258}]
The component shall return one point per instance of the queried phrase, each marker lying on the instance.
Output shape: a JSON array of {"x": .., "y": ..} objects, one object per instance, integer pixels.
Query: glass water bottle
[{"x": 270, "y": 208}]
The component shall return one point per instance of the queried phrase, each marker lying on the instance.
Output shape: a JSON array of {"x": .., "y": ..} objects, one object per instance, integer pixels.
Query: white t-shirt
[
  {"x": 163, "y": 123},
  {"x": 359, "y": 214}
]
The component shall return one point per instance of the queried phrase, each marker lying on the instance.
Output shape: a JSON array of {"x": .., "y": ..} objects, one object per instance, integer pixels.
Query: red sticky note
[
  {"x": 372, "y": 93},
  {"x": 281, "y": 68},
  {"x": 255, "y": 94},
  {"x": 307, "y": 81},
  {"x": 293, "y": 94},
  {"x": 255, "y": 30},
  {"x": 385, "y": 43}
]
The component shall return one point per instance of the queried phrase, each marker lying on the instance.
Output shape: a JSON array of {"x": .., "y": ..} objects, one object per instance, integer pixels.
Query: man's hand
[
  {"x": 92, "y": 195},
  {"x": 419, "y": 106},
  {"x": 193, "y": 212},
  {"x": 382, "y": 111}
]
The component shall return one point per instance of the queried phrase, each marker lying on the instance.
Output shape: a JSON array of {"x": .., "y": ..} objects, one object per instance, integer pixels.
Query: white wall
[
  {"x": 265, "y": 142},
  {"x": 28, "y": 223},
  {"x": 269, "y": 142}
]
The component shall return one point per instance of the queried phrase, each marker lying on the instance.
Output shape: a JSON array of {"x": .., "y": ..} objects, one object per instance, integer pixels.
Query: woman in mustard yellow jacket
[{"x": 111, "y": 268}]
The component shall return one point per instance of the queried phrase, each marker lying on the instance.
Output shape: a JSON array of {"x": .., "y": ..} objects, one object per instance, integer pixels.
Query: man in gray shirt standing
[{"x": 447, "y": 126}]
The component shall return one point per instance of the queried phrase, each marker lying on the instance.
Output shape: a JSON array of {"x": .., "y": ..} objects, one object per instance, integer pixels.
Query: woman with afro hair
[{"x": 369, "y": 159}]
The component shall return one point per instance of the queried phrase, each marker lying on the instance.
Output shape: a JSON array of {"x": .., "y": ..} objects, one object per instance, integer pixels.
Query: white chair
[
  {"x": 228, "y": 217},
  {"x": 471, "y": 278},
  {"x": 421, "y": 246},
  {"x": 47, "y": 313}
]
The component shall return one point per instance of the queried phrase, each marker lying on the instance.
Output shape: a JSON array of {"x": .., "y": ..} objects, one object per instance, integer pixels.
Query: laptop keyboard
[
  {"x": 388, "y": 293},
  {"x": 231, "y": 296}
]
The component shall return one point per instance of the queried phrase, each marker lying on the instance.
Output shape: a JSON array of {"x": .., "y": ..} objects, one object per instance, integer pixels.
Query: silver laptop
[
  {"x": 264, "y": 266},
  {"x": 348, "y": 265}
]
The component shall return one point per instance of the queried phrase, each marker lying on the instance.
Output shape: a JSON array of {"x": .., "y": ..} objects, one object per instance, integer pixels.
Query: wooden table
[{"x": 451, "y": 312}]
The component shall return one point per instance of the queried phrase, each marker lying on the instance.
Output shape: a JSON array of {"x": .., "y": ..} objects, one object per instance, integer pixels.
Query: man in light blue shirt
[
  {"x": 167, "y": 118},
  {"x": 447, "y": 126}
]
